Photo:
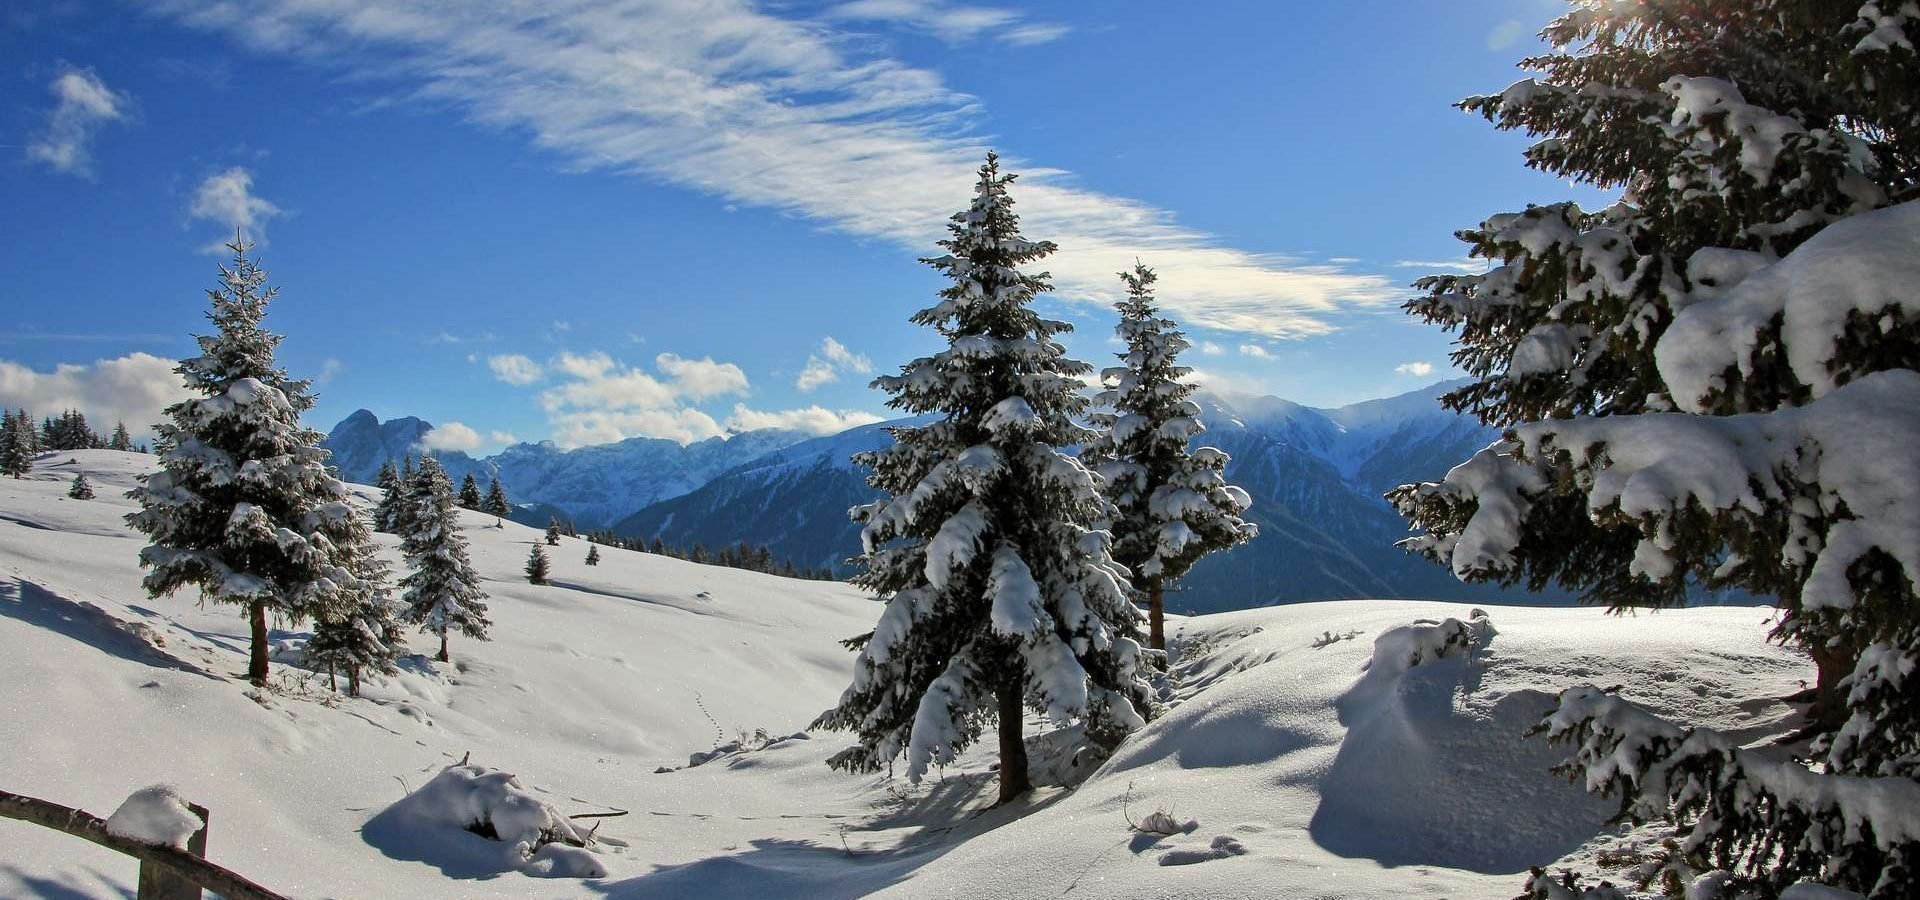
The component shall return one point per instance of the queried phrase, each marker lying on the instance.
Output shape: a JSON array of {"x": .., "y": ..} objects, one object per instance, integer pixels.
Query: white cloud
[
  {"x": 227, "y": 199},
  {"x": 1506, "y": 34},
  {"x": 515, "y": 368},
  {"x": 1418, "y": 368},
  {"x": 131, "y": 389},
  {"x": 810, "y": 419},
  {"x": 702, "y": 378},
  {"x": 605, "y": 400},
  {"x": 1455, "y": 265},
  {"x": 502, "y": 438},
  {"x": 950, "y": 22},
  {"x": 1209, "y": 348},
  {"x": 328, "y": 369},
  {"x": 826, "y": 365},
  {"x": 1256, "y": 351},
  {"x": 1220, "y": 382},
  {"x": 1036, "y": 33},
  {"x": 447, "y": 337},
  {"x": 730, "y": 99},
  {"x": 82, "y": 104},
  {"x": 451, "y": 436}
]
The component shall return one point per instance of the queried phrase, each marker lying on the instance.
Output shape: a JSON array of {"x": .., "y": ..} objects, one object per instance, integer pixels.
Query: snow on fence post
[
  {"x": 186, "y": 863},
  {"x": 159, "y": 881}
]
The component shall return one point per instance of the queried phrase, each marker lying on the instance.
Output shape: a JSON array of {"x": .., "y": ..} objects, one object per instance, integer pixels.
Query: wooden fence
[{"x": 166, "y": 873}]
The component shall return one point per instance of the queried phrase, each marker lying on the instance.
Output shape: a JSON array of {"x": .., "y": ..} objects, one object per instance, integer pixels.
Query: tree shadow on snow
[
  {"x": 1429, "y": 774},
  {"x": 86, "y": 623},
  {"x": 49, "y": 889},
  {"x": 777, "y": 867}
]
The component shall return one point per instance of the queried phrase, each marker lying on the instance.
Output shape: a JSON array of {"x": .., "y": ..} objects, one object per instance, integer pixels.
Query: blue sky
[{"x": 592, "y": 220}]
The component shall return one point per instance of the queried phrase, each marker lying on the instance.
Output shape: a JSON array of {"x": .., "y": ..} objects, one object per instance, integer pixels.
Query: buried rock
[{"x": 472, "y": 821}]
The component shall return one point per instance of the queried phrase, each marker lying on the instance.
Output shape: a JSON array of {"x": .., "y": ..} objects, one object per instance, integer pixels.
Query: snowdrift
[{"x": 1309, "y": 766}]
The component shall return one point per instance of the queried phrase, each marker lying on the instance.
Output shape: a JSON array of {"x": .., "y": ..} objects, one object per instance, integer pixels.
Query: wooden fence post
[
  {"x": 161, "y": 882},
  {"x": 190, "y": 863}
]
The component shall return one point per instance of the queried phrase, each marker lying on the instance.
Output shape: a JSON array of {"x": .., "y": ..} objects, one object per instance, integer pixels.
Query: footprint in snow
[{"x": 1221, "y": 848}]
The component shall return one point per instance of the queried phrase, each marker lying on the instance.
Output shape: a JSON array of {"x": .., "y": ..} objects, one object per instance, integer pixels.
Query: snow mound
[
  {"x": 154, "y": 815},
  {"x": 472, "y": 821}
]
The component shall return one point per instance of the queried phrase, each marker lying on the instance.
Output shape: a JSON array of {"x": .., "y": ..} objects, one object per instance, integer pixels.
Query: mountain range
[{"x": 1316, "y": 477}]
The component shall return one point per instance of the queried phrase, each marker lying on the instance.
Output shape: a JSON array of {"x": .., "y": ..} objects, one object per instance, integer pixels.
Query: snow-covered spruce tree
[
  {"x": 1000, "y": 596},
  {"x": 553, "y": 532},
  {"x": 121, "y": 440},
  {"x": 470, "y": 493},
  {"x": 18, "y": 445},
  {"x": 81, "y": 489},
  {"x": 366, "y": 638},
  {"x": 593, "y": 554},
  {"x": 1716, "y": 379},
  {"x": 1717, "y": 180},
  {"x": 1172, "y": 505},
  {"x": 496, "y": 503},
  {"x": 244, "y": 506},
  {"x": 537, "y": 566},
  {"x": 441, "y": 592},
  {"x": 389, "y": 515}
]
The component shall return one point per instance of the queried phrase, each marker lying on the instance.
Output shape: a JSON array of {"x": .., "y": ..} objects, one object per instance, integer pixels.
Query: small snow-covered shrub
[
  {"x": 445, "y": 821},
  {"x": 154, "y": 815},
  {"x": 1399, "y": 649}
]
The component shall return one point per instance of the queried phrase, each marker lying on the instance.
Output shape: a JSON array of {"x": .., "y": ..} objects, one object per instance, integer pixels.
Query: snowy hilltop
[{"x": 1300, "y": 746}]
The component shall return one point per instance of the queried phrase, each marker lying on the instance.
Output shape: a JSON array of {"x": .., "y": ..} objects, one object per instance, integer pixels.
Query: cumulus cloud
[
  {"x": 1256, "y": 351},
  {"x": 810, "y": 419},
  {"x": 784, "y": 113},
  {"x": 82, "y": 104},
  {"x": 1417, "y": 368},
  {"x": 602, "y": 399},
  {"x": 133, "y": 389},
  {"x": 451, "y": 436},
  {"x": 1209, "y": 348},
  {"x": 702, "y": 378},
  {"x": 515, "y": 368},
  {"x": 227, "y": 199},
  {"x": 1218, "y": 382},
  {"x": 502, "y": 438},
  {"x": 826, "y": 365}
]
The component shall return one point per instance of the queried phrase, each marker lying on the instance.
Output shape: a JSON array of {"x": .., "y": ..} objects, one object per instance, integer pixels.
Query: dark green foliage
[{"x": 538, "y": 568}]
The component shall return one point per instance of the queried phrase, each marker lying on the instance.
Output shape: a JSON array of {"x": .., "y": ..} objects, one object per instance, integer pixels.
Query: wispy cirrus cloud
[
  {"x": 954, "y": 23},
  {"x": 82, "y": 105},
  {"x": 726, "y": 98},
  {"x": 227, "y": 199}
]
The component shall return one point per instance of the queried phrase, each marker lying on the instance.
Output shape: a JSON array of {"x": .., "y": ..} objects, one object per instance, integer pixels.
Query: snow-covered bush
[
  {"x": 1399, "y": 649},
  {"x": 474, "y": 820}
]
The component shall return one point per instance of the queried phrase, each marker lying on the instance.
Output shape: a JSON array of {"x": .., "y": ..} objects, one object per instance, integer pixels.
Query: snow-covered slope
[
  {"x": 593, "y": 485},
  {"x": 1329, "y": 782}
]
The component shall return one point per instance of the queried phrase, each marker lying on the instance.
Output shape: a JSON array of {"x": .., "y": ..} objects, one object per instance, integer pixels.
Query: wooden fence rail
[{"x": 166, "y": 873}]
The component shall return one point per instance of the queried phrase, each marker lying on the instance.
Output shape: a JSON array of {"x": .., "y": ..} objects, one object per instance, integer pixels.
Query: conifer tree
[
  {"x": 470, "y": 493},
  {"x": 1000, "y": 596},
  {"x": 389, "y": 515},
  {"x": 365, "y": 637},
  {"x": 244, "y": 507},
  {"x": 81, "y": 489},
  {"x": 496, "y": 503},
  {"x": 537, "y": 566},
  {"x": 441, "y": 592},
  {"x": 121, "y": 440},
  {"x": 593, "y": 554},
  {"x": 1714, "y": 380},
  {"x": 1172, "y": 504},
  {"x": 17, "y": 444},
  {"x": 553, "y": 532}
]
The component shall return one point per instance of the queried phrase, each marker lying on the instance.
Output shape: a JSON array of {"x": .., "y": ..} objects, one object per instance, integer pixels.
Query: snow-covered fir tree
[
  {"x": 538, "y": 568},
  {"x": 1000, "y": 595},
  {"x": 81, "y": 489},
  {"x": 244, "y": 507},
  {"x": 389, "y": 516},
  {"x": 495, "y": 503},
  {"x": 18, "y": 444},
  {"x": 470, "y": 493},
  {"x": 441, "y": 592},
  {"x": 553, "y": 532},
  {"x": 1172, "y": 504},
  {"x": 68, "y": 432},
  {"x": 366, "y": 638},
  {"x": 1714, "y": 380},
  {"x": 593, "y": 554},
  {"x": 121, "y": 439}
]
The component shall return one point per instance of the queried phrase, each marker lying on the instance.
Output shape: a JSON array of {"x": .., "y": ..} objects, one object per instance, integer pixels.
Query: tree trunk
[
  {"x": 443, "y": 647},
  {"x": 1157, "y": 617},
  {"x": 257, "y": 661},
  {"x": 1014, "y": 779},
  {"x": 1829, "y": 709},
  {"x": 353, "y": 681}
]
